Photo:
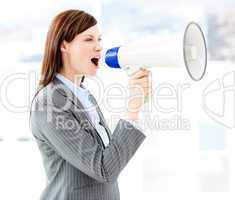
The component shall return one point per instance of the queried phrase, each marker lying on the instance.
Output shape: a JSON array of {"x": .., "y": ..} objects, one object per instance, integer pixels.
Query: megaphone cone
[{"x": 187, "y": 49}]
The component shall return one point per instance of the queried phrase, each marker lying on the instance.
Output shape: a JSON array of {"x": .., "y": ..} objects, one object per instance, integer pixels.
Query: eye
[{"x": 88, "y": 39}]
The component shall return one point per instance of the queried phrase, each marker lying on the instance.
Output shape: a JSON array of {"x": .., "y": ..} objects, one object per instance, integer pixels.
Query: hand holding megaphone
[
  {"x": 140, "y": 88},
  {"x": 188, "y": 49}
]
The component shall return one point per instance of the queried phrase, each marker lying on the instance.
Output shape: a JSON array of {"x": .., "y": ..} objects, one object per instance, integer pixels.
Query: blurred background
[{"x": 189, "y": 153}]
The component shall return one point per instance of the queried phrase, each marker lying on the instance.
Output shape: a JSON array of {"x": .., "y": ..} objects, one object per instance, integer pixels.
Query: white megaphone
[{"x": 189, "y": 49}]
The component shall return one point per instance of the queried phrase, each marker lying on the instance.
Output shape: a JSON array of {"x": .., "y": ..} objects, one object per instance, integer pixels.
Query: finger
[
  {"x": 141, "y": 76},
  {"x": 141, "y": 84},
  {"x": 140, "y": 73},
  {"x": 140, "y": 81},
  {"x": 148, "y": 91}
]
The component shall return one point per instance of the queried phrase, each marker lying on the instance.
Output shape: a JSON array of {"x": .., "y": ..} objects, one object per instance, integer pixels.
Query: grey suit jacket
[{"x": 77, "y": 164}]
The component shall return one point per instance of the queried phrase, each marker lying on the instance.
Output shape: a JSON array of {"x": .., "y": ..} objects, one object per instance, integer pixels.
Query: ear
[{"x": 64, "y": 46}]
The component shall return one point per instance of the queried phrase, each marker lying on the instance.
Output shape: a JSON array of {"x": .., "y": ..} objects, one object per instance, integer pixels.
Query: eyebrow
[{"x": 92, "y": 35}]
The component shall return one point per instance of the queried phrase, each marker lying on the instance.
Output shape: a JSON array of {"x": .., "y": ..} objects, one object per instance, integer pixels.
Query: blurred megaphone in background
[{"x": 189, "y": 49}]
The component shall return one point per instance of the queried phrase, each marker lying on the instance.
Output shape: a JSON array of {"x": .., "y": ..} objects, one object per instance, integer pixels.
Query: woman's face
[{"x": 81, "y": 55}]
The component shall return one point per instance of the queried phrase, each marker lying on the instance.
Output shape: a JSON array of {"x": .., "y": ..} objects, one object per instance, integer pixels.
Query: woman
[{"x": 82, "y": 158}]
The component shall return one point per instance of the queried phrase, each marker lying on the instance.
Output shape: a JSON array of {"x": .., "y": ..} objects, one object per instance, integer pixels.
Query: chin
[{"x": 90, "y": 74}]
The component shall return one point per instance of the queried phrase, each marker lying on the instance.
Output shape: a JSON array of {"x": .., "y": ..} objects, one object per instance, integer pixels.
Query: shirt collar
[{"x": 80, "y": 91}]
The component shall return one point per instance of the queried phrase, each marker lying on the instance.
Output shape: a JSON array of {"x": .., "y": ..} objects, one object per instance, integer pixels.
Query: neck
[{"x": 75, "y": 78}]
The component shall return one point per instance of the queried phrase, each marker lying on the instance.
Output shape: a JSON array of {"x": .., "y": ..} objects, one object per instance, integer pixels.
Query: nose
[{"x": 98, "y": 47}]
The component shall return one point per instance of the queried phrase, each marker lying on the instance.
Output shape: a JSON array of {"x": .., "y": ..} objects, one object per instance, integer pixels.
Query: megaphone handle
[{"x": 146, "y": 99}]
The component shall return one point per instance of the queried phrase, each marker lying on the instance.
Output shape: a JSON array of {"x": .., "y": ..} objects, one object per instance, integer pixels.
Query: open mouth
[{"x": 95, "y": 61}]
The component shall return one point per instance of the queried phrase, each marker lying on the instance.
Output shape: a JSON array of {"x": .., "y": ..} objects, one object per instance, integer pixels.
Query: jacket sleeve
[{"x": 79, "y": 147}]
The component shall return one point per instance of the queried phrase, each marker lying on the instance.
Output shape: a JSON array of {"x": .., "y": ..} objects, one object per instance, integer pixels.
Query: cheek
[
  {"x": 75, "y": 56},
  {"x": 80, "y": 59},
  {"x": 80, "y": 54}
]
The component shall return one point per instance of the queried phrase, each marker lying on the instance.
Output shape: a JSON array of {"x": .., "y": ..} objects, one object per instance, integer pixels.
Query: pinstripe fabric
[{"x": 77, "y": 164}]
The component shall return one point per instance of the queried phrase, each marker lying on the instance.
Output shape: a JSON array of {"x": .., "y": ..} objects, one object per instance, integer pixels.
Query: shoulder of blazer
[
  {"x": 50, "y": 95},
  {"x": 58, "y": 95}
]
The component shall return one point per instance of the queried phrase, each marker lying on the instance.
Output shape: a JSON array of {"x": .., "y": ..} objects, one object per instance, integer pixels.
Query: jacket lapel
[
  {"x": 102, "y": 119},
  {"x": 66, "y": 92}
]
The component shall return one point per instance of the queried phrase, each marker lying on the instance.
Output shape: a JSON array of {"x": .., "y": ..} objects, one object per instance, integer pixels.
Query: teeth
[{"x": 98, "y": 57}]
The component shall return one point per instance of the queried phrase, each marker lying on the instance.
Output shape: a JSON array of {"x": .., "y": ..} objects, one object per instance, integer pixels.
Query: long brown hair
[{"x": 65, "y": 26}]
